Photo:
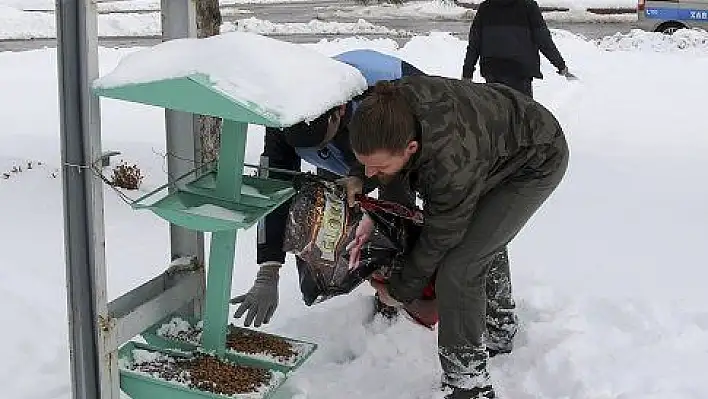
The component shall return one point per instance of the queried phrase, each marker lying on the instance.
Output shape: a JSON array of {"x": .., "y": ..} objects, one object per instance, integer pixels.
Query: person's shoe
[
  {"x": 389, "y": 312},
  {"x": 501, "y": 347},
  {"x": 473, "y": 393},
  {"x": 494, "y": 352},
  {"x": 501, "y": 330}
]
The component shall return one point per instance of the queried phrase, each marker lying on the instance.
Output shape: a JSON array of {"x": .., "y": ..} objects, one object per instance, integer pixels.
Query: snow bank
[
  {"x": 577, "y": 4},
  {"x": 16, "y": 24},
  {"x": 452, "y": 11},
  {"x": 264, "y": 27},
  {"x": 683, "y": 40}
]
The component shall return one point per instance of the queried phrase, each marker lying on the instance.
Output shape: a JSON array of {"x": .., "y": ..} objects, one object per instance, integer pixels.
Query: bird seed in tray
[
  {"x": 241, "y": 341},
  {"x": 203, "y": 372}
]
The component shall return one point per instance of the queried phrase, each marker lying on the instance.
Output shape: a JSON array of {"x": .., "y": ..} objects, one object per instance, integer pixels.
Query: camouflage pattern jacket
[{"x": 473, "y": 137}]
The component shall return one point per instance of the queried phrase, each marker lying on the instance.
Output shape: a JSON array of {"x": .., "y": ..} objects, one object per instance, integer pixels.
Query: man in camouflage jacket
[{"x": 484, "y": 158}]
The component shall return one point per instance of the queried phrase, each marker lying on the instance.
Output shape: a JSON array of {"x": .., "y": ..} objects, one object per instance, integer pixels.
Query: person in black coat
[{"x": 506, "y": 36}]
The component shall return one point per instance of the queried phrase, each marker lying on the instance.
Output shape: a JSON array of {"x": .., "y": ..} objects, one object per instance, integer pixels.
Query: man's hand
[
  {"x": 354, "y": 186},
  {"x": 361, "y": 236},
  {"x": 262, "y": 299},
  {"x": 384, "y": 296}
]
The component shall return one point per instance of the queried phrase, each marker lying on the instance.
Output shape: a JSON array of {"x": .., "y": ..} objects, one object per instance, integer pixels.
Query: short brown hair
[{"x": 383, "y": 121}]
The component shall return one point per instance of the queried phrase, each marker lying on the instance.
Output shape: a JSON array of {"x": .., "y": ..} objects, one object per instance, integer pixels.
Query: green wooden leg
[
  {"x": 231, "y": 157},
  {"x": 223, "y": 244},
  {"x": 221, "y": 260}
]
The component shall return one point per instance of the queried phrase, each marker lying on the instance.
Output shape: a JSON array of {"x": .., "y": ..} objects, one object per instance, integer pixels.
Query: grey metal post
[
  {"x": 179, "y": 21},
  {"x": 93, "y": 368},
  {"x": 183, "y": 145}
]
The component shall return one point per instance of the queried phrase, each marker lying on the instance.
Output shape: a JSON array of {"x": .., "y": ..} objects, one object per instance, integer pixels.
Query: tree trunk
[{"x": 209, "y": 24}]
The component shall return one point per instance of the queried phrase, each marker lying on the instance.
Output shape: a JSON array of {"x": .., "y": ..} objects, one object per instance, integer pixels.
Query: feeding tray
[
  {"x": 198, "y": 206},
  {"x": 147, "y": 372},
  {"x": 254, "y": 347}
]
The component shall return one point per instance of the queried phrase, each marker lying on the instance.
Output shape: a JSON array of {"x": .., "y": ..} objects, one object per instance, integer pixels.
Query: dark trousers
[
  {"x": 473, "y": 285},
  {"x": 521, "y": 84}
]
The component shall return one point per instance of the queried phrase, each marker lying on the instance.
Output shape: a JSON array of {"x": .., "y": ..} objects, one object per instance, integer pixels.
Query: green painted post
[
  {"x": 223, "y": 244},
  {"x": 221, "y": 260},
  {"x": 231, "y": 157}
]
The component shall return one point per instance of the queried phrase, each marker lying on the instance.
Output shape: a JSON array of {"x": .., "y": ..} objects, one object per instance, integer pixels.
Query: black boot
[
  {"x": 493, "y": 352},
  {"x": 474, "y": 393},
  {"x": 384, "y": 310}
]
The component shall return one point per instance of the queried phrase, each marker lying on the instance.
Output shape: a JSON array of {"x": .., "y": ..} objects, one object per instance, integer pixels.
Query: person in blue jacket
[{"x": 323, "y": 143}]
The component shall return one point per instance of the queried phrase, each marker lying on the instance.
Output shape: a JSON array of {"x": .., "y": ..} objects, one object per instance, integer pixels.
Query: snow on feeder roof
[{"x": 275, "y": 83}]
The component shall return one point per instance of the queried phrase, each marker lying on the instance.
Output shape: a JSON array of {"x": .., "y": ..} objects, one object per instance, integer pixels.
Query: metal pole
[
  {"x": 93, "y": 370},
  {"x": 179, "y": 21}
]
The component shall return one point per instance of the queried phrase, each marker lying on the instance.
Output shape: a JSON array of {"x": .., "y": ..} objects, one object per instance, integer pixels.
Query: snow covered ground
[
  {"x": 121, "y": 5},
  {"x": 450, "y": 10},
  {"x": 578, "y": 4},
  {"x": 315, "y": 26},
  {"x": 15, "y": 23},
  {"x": 609, "y": 275},
  {"x": 125, "y": 5}
]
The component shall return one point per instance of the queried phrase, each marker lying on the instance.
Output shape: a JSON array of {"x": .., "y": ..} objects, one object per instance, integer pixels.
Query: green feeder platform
[
  {"x": 143, "y": 384},
  {"x": 219, "y": 201}
]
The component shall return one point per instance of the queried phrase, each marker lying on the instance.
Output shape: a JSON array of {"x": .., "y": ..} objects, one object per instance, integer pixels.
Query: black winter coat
[{"x": 507, "y": 35}]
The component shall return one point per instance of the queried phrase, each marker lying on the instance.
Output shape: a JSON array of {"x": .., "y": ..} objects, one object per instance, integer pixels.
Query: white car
[{"x": 668, "y": 16}]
